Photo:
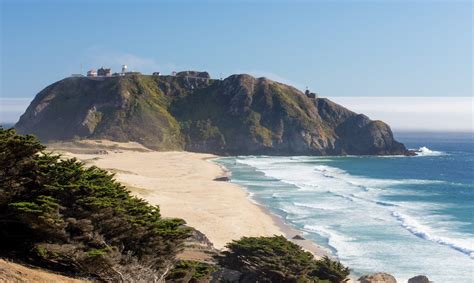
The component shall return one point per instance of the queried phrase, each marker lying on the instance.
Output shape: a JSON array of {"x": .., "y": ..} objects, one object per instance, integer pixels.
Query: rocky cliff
[{"x": 238, "y": 115}]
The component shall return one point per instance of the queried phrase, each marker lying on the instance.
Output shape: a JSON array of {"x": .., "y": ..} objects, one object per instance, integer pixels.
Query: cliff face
[{"x": 238, "y": 115}]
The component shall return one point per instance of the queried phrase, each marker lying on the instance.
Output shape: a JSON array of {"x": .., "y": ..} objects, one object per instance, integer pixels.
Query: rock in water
[
  {"x": 379, "y": 277},
  {"x": 240, "y": 115},
  {"x": 419, "y": 279}
]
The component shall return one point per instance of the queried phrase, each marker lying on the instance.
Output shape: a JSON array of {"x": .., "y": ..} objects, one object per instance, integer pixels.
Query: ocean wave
[
  {"x": 361, "y": 218},
  {"x": 424, "y": 151},
  {"x": 365, "y": 183},
  {"x": 319, "y": 177},
  {"x": 424, "y": 232},
  {"x": 320, "y": 206},
  {"x": 336, "y": 241},
  {"x": 293, "y": 212}
]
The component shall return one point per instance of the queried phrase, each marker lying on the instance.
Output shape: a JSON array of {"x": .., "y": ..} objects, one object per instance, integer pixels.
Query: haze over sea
[{"x": 401, "y": 215}]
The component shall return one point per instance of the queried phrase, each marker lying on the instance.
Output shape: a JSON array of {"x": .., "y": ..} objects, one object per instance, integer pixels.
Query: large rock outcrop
[
  {"x": 379, "y": 277},
  {"x": 419, "y": 279},
  {"x": 238, "y": 115}
]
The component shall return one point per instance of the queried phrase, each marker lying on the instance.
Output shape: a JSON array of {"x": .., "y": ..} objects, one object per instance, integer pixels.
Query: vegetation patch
[
  {"x": 275, "y": 259},
  {"x": 191, "y": 271}
]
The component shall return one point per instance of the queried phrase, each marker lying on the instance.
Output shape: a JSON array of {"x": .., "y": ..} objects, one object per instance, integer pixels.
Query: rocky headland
[{"x": 190, "y": 111}]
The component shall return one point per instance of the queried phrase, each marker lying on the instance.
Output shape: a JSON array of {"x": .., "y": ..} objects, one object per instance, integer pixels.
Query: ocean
[{"x": 402, "y": 215}]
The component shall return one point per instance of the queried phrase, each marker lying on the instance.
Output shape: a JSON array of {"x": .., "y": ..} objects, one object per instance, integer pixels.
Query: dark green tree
[
  {"x": 69, "y": 217},
  {"x": 275, "y": 259},
  {"x": 331, "y": 270}
]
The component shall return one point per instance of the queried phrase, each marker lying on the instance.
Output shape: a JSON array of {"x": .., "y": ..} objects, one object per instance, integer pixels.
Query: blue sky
[{"x": 337, "y": 48}]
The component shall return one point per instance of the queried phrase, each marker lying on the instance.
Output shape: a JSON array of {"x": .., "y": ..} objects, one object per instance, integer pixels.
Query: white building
[{"x": 92, "y": 73}]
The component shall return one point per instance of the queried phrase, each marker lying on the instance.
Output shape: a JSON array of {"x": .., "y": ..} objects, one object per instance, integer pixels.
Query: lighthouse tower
[{"x": 124, "y": 69}]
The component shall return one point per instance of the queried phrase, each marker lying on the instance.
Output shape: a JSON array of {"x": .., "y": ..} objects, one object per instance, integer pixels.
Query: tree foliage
[
  {"x": 66, "y": 216},
  {"x": 275, "y": 259},
  {"x": 191, "y": 271}
]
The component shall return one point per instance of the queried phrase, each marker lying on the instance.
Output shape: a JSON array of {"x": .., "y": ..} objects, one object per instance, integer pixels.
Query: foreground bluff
[{"x": 238, "y": 115}]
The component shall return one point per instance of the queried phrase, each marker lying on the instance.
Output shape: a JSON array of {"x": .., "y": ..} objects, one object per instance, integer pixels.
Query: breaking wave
[
  {"x": 424, "y": 232},
  {"x": 424, "y": 151},
  {"x": 379, "y": 216}
]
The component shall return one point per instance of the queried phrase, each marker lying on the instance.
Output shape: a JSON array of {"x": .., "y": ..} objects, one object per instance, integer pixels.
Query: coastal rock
[
  {"x": 240, "y": 115},
  {"x": 222, "y": 179},
  {"x": 379, "y": 277},
  {"x": 298, "y": 237},
  {"x": 419, "y": 279}
]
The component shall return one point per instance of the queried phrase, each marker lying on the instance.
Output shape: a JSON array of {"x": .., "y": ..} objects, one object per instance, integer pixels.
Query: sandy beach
[{"x": 183, "y": 185}]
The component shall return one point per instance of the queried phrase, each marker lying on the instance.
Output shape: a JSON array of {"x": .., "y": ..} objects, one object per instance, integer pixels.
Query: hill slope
[
  {"x": 238, "y": 115},
  {"x": 13, "y": 272}
]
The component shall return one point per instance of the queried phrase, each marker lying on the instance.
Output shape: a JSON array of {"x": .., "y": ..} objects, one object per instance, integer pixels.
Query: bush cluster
[{"x": 275, "y": 259}]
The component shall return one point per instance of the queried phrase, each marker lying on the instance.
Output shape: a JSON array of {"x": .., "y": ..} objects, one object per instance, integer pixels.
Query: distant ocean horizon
[{"x": 402, "y": 215}]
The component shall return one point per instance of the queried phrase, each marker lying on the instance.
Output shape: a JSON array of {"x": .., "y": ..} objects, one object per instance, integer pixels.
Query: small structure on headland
[
  {"x": 310, "y": 94},
  {"x": 102, "y": 72},
  {"x": 92, "y": 73},
  {"x": 107, "y": 72}
]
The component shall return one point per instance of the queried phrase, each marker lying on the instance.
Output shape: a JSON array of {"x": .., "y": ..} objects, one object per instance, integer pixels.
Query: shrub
[
  {"x": 331, "y": 270},
  {"x": 275, "y": 259}
]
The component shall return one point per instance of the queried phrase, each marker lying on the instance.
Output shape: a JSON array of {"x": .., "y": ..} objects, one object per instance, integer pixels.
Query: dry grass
[{"x": 13, "y": 272}]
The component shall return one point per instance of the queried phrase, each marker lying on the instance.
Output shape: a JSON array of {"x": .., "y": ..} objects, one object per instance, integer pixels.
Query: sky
[{"x": 354, "y": 52}]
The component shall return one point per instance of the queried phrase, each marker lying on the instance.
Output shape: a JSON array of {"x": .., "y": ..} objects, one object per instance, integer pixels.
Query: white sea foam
[
  {"x": 356, "y": 218},
  {"x": 320, "y": 206},
  {"x": 338, "y": 242},
  {"x": 424, "y": 151},
  {"x": 425, "y": 232},
  {"x": 293, "y": 212},
  {"x": 358, "y": 190},
  {"x": 304, "y": 175}
]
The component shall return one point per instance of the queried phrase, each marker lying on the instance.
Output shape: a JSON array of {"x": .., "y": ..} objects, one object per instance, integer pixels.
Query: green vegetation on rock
[
  {"x": 238, "y": 115},
  {"x": 191, "y": 271}
]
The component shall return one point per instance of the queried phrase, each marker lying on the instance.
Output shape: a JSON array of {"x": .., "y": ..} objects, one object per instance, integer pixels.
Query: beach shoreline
[
  {"x": 288, "y": 231},
  {"x": 183, "y": 185}
]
